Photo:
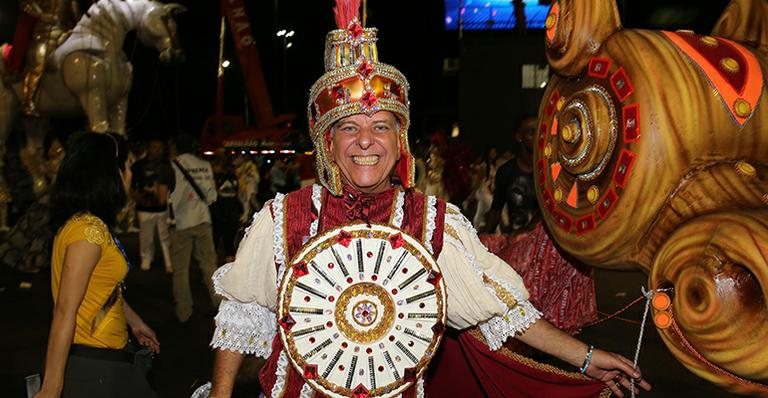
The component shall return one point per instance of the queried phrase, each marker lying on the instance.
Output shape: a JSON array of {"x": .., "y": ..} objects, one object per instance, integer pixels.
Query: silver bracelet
[{"x": 587, "y": 360}]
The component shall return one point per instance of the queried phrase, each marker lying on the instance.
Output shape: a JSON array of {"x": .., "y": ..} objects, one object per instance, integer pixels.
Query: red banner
[{"x": 240, "y": 26}]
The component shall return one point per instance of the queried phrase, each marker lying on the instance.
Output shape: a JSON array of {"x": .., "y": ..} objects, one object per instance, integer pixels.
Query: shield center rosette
[{"x": 364, "y": 312}]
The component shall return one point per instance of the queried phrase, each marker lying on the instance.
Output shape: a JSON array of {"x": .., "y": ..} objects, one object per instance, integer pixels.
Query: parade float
[{"x": 651, "y": 154}]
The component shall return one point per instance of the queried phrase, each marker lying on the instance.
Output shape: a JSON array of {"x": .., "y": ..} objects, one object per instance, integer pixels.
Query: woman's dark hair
[{"x": 89, "y": 179}]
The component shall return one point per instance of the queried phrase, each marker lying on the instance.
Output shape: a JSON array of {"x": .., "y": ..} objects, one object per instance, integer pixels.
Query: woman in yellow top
[{"x": 87, "y": 347}]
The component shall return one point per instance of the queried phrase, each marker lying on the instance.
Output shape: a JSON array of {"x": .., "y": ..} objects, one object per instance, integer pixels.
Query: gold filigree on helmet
[{"x": 355, "y": 82}]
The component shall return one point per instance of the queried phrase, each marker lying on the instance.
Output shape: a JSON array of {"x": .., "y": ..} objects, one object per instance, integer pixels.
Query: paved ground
[{"x": 185, "y": 360}]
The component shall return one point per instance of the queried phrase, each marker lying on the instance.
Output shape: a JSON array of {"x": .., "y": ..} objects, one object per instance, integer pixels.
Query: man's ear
[{"x": 329, "y": 141}]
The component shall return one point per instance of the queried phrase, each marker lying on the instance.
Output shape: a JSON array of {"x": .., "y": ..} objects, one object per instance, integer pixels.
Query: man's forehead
[{"x": 376, "y": 117}]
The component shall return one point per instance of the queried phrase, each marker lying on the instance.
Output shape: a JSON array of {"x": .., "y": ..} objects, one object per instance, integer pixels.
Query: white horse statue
[{"x": 89, "y": 71}]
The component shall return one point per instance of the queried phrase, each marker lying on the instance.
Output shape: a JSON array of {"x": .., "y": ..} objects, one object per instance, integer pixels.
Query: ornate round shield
[{"x": 361, "y": 311}]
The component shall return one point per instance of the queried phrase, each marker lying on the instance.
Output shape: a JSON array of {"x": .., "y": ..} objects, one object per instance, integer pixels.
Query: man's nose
[{"x": 365, "y": 138}]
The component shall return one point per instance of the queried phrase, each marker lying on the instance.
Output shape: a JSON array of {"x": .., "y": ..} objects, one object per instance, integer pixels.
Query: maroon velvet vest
[{"x": 298, "y": 215}]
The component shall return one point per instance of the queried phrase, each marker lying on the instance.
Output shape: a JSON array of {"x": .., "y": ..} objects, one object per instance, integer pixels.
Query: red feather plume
[{"x": 346, "y": 11}]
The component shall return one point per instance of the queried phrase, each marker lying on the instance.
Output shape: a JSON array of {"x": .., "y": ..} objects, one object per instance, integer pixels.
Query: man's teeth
[{"x": 366, "y": 160}]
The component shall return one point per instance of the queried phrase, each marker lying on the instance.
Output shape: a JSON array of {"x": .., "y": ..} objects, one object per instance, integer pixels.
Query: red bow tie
[{"x": 357, "y": 204}]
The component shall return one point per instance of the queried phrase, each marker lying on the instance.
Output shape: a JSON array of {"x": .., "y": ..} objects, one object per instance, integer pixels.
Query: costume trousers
[
  {"x": 99, "y": 378},
  {"x": 149, "y": 222},
  {"x": 195, "y": 241}
]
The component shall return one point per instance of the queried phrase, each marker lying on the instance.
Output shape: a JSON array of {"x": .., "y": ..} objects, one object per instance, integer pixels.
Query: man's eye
[{"x": 381, "y": 127}]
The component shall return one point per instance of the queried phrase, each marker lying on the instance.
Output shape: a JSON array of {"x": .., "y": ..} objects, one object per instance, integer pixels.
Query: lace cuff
[
  {"x": 244, "y": 328},
  {"x": 203, "y": 391},
  {"x": 515, "y": 321}
]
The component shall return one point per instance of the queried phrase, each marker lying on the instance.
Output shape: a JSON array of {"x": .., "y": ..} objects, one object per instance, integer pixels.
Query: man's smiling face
[{"x": 366, "y": 149}]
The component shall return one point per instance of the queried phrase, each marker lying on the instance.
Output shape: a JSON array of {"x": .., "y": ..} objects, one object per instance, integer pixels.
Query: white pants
[{"x": 148, "y": 222}]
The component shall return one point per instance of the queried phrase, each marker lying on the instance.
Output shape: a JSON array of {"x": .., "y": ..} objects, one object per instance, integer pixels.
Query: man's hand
[{"x": 616, "y": 371}]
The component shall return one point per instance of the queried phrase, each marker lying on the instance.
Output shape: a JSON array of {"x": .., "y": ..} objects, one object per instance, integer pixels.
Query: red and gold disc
[{"x": 361, "y": 311}]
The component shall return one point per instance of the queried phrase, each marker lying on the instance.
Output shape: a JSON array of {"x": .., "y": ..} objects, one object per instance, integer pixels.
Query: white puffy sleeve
[
  {"x": 246, "y": 322},
  {"x": 482, "y": 289}
]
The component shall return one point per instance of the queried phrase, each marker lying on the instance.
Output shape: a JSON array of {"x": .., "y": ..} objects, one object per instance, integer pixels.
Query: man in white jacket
[{"x": 195, "y": 189}]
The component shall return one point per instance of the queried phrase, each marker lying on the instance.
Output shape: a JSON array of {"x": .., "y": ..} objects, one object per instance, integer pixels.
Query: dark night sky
[
  {"x": 166, "y": 98},
  {"x": 411, "y": 37}
]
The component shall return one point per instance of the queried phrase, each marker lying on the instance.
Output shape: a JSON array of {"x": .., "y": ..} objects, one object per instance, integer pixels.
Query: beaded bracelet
[{"x": 587, "y": 360}]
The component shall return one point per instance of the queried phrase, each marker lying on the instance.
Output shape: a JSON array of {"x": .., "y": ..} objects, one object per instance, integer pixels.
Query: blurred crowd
[{"x": 494, "y": 190}]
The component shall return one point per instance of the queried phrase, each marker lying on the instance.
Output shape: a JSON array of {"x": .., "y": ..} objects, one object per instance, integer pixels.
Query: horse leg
[
  {"x": 86, "y": 76},
  {"x": 117, "y": 113}
]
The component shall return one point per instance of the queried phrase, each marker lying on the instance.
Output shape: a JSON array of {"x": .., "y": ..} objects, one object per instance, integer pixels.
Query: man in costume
[{"x": 358, "y": 114}]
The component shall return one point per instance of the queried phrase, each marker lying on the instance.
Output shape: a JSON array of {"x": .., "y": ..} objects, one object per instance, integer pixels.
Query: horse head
[{"x": 158, "y": 29}]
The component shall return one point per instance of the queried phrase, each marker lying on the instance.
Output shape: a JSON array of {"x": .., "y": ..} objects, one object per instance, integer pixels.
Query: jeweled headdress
[{"x": 355, "y": 82}]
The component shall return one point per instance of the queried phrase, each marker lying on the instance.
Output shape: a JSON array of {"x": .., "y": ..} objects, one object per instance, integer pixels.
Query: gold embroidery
[
  {"x": 94, "y": 235},
  {"x": 501, "y": 293},
  {"x": 95, "y": 231},
  {"x": 451, "y": 232}
]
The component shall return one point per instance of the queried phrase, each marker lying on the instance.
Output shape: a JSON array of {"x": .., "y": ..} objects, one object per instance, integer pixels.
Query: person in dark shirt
[
  {"x": 561, "y": 287},
  {"x": 514, "y": 185},
  {"x": 226, "y": 210},
  {"x": 152, "y": 182}
]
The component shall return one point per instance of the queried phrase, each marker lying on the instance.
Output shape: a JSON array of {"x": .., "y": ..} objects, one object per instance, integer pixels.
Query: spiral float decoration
[
  {"x": 582, "y": 160},
  {"x": 651, "y": 154},
  {"x": 718, "y": 269}
]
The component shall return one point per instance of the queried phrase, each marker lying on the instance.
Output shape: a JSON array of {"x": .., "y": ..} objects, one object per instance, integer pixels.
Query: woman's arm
[
  {"x": 143, "y": 333},
  {"x": 613, "y": 369},
  {"x": 79, "y": 261}
]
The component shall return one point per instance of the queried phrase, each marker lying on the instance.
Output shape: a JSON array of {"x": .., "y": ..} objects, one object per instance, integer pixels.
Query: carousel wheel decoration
[
  {"x": 361, "y": 311},
  {"x": 585, "y": 148}
]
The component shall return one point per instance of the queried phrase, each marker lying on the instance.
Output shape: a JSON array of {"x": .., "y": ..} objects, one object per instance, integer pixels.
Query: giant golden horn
[
  {"x": 745, "y": 21},
  {"x": 718, "y": 267},
  {"x": 575, "y": 30}
]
